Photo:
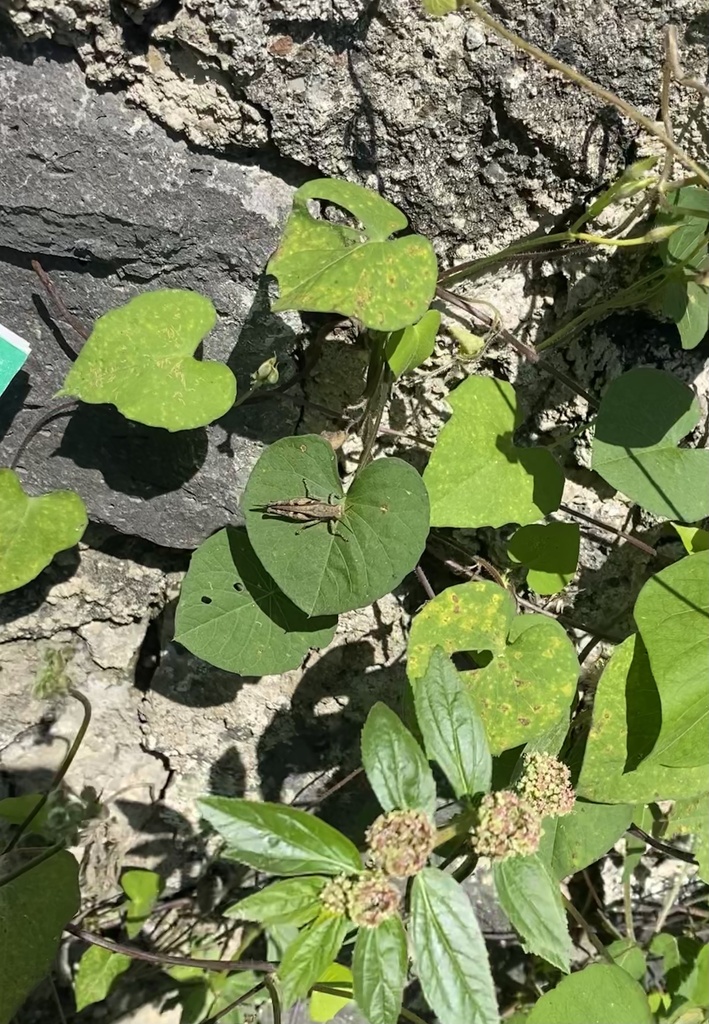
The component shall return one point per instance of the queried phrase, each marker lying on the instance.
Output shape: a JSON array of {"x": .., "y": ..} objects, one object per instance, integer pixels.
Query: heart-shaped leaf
[
  {"x": 693, "y": 538},
  {"x": 33, "y": 530},
  {"x": 626, "y": 722},
  {"x": 529, "y": 678},
  {"x": 571, "y": 843},
  {"x": 644, "y": 414},
  {"x": 686, "y": 302},
  {"x": 358, "y": 272},
  {"x": 477, "y": 476},
  {"x": 672, "y": 615},
  {"x": 550, "y": 552},
  {"x": 376, "y": 537},
  {"x": 599, "y": 994},
  {"x": 232, "y": 615},
  {"x": 140, "y": 358},
  {"x": 142, "y": 888},
  {"x": 532, "y": 901},
  {"x": 98, "y": 969},
  {"x": 407, "y": 349},
  {"x": 395, "y": 765}
]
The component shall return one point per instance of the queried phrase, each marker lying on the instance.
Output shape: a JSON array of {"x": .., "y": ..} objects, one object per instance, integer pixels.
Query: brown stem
[
  {"x": 670, "y": 851},
  {"x": 423, "y": 580},
  {"x": 641, "y": 545},
  {"x": 237, "y": 1002},
  {"x": 59, "y": 410},
  {"x": 57, "y": 301}
]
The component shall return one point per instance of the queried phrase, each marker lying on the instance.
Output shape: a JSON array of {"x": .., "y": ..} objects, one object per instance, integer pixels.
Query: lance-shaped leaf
[
  {"x": 452, "y": 730},
  {"x": 289, "y": 901},
  {"x": 279, "y": 839},
  {"x": 572, "y": 842},
  {"x": 477, "y": 476},
  {"x": 599, "y": 994},
  {"x": 140, "y": 358},
  {"x": 232, "y": 614},
  {"x": 532, "y": 902},
  {"x": 98, "y": 969},
  {"x": 644, "y": 414},
  {"x": 406, "y": 349},
  {"x": 379, "y": 969},
  {"x": 672, "y": 614},
  {"x": 33, "y": 530},
  {"x": 527, "y": 670},
  {"x": 359, "y": 272},
  {"x": 395, "y": 765},
  {"x": 360, "y": 555},
  {"x": 551, "y": 553},
  {"x": 306, "y": 958}
]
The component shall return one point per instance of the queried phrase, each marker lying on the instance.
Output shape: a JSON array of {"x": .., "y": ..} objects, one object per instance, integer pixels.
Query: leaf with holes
[
  {"x": 405, "y": 350},
  {"x": 532, "y": 901},
  {"x": 34, "y": 530},
  {"x": 140, "y": 358},
  {"x": 550, "y": 552},
  {"x": 616, "y": 766},
  {"x": 232, "y": 615},
  {"x": 395, "y": 765},
  {"x": 672, "y": 615},
  {"x": 644, "y": 414},
  {"x": 359, "y": 272},
  {"x": 527, "y": 666},
  {"x": 377, "y": 532},
  {"x": 477, "y": 476}
]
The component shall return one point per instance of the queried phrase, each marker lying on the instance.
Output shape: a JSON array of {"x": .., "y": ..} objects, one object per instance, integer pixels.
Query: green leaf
[
  {"x": 140, "y": 358},
  {"x": 33, "y": 530},
  {"x": 452, "y": 730},
  {"x": 476, "y": 475},
  {"x": 292, "y": 901},
  {"x": 231, "y": 988},
  {"x": 232, "y": 615},
  {"x": 379, "y": 966},
  {"x": 694, "y": 322},
  {"x": 627, "y": 954},
  {"x": 34, "y": 908},
  {"x": 440, "y": 7},
  {"x": 532, "y": 902},
  {"x": 530, "y": 680},
  {"x": 323, "y": 1005},
  {"x": 395, "y": 764},
  {"x": 377, "y": 541},
  {"x": 405, "y": 350},
  {"x": 280, "y": 839},
  {"x": 599, "y": 994},
  {"x": 98, "y": 969},
  {"x": 358, "y": 272},
  {"x": 142, "y": 889},
  {"x": 569, "y": 844},
  {"x": 14, "y": 809},
  {"x": 689, "y": 817},
  {"x": 550, "y": 552},
  {"x": 692, "y": 215},
  {"x": 306, "y": 958},
  {"x": 644, "y": 414},
  {"x": 672, "y": 615},
  {"x": 626, "y": 722},
  {"x": 449, "y": 952},
  {"x": 693, "y": 538}
]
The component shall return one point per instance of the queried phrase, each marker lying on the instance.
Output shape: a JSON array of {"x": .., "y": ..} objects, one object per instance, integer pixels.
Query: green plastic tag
[{"x": 13, "y": 353}]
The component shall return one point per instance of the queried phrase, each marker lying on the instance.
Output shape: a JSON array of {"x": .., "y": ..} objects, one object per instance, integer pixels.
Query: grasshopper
[{"x": 307, "y": 510}]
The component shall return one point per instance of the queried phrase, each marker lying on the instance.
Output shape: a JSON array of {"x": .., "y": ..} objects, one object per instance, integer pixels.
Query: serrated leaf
[
  {"x": 690, "y": 817},
  {"x": 439, "y": 7},
  {"x": 34, "y": 908},
  {"x": 599, "y": 994},
  {"x": 98, "y": 969},
  {"x": 449, "y": 952},
  {"x": 531, "y": 900},
  {"x": 232, "y": 615},
  {"x": 406, "y": 349},
  {"x": 279, "y": 839},
  {"x": 307, "y": 957},
  {"x": 34, "y": 530},
  {"x": 531, "y": 678},
  {"x": 378, "y": 540},
  {"x": 693, "y": 538},
  {"x": 627, "y": 954},
  {"x": 551, "y": 553},
  {"x": 292, "y": 901},
  {"x": 476, "y": 475},
  {"x": 672, "y": 615},
  {"x": 142, "y": 889},
  {"x": 644, "y": 414},
  {"x": 452, "y": 730},
  {"x": 379, "y": 968},
  {"x": 359, "y": 272},
  {"x": 626, "y": 722},
  {"x": 395, "y": 764},
  {"x": 323, "y": 1005},
  {"x": 140, "y": 358},
  {"x": 569, "y": 844}
]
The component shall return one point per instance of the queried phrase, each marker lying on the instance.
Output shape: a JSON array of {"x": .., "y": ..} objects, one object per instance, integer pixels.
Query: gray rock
[{"x": 112, "y": 206}]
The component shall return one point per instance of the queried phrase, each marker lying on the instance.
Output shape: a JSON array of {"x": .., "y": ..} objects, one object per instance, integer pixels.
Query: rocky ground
[{"x": 147, "y": 145}]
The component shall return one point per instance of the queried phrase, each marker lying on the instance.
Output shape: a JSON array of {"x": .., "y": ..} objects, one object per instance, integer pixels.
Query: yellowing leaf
[{"x": 323, "y": 1005}]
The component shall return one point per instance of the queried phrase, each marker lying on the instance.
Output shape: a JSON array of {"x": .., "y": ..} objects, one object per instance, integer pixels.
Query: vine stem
[
  {"x": 593, "y": 87},
  {"x": 641, "y": 545},
  {"x": 237, "y": 1002},
  {"x": 59, "y": 410},
  {"x": 589, "y": 931},
  {"x": 60, "y": 772}
]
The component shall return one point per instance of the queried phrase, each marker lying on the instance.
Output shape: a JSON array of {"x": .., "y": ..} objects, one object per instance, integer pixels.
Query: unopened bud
[
  {"x": 470, "y": 345},
  {"x": 507, "y": 827},
  {"x": 660, "y": 233},
  {"x": 335, "y": 895},
  {"x": 267, "y": 373}
]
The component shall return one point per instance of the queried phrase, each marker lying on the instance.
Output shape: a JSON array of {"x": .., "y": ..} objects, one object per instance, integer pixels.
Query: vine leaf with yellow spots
[
  {"x": 140, "y": 358},
  {"x": 523, "y": 668},
  {"x": 361, "y": 272}
]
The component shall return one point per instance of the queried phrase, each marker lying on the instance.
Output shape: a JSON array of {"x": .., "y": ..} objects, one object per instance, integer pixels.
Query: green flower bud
[
  {"x": 373, "y": 898},
  {"x": 401, "y": 842},
  {"x": 335, "y": 895},
  {"x": 507, "y": 827},
  {"x": 267, "y": 373},
  {"x": 545, "y": 785}
]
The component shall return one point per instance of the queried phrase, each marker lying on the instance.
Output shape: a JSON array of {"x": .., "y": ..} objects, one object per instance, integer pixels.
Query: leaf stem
[
  {"x": 666, "y": 848},
  {"x": 64, "y": 314},
  {"x": 59, "y": 410},
  {"x": 641, "y": 545}
]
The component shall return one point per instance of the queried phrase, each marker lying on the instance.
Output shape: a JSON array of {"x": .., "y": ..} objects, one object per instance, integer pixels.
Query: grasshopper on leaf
[{"x": 307, "y": 510}]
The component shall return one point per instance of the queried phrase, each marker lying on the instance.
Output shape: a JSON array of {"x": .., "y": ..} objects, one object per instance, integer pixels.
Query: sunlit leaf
[
  {"x": 289, "y": 901},
  {"x": 531, "y": 900},
  {"x": 599, "y": 994},
  {"x": 98, "y": 969},
  {"x": 690, "y": 817},
  {"x": 693, "y": 538},
  {"x": 406, "y": 349},
  {"x": 550, "y": 552},
  {"x": 305, "y": 960},
  {"x": 574, "y": 841},
  {"x": 627, "y": 954},
  {"x": 142, "y": 889},
  {"x": 379, "y": 967},
  {"x": 395, "y": 764},
  {"x": 440, "y": 7},
  {"x": 324, "y": 1005}
]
